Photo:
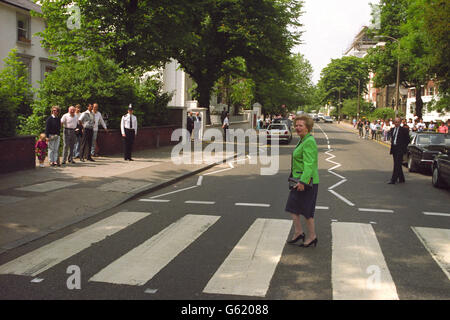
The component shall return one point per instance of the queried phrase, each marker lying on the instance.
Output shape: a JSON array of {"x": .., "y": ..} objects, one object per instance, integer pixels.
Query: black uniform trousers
[
  {"x": 397, "y": 174},
  {"x": 86, "y": 143},
  {"x": 128, "y": 142}
]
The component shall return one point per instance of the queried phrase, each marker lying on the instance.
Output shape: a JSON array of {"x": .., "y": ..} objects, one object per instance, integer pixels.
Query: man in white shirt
[
  {"x": 128, "y": 128},
  {"x": 98, "y": 119},
  {"x": 87, "y": 121},
  {"x": 69, "y": 121}
]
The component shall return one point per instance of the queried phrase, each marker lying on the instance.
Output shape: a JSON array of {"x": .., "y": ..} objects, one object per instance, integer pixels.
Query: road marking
[
  {"x": 252, "y": 204},
  {"x": 437, "y": 214},
  {"x": 150, "y": 291},
  {"x": 207, "y": 174},
  {"x": 322, "y": 208},
  {"x": 358, "y": 268},
  {"x": 337, "y": 184},
  {"x": 199, "y": 202},
  {"x": 44, "y": 258},
  {"x": 251, "y": 264},
  {"x": 376, "y": 210},
  {"x": 142, "y": 263},
  {"x": 47, "y": 186},
  {"x": 342, "y": 198},
  {"x": 436, "y": 241},
  {"x": 37, "y": 280},
  {"x": 154, "y": 200},
  {"x": 172, "y": 192},
  {"x": 199, "y": 181}
]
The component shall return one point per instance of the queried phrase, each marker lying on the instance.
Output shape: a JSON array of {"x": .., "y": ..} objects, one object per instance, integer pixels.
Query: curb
[{"x": 54, "y": 228}]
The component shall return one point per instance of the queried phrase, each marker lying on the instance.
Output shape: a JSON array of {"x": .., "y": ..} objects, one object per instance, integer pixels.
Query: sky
[{"x": 329, "y": 28}]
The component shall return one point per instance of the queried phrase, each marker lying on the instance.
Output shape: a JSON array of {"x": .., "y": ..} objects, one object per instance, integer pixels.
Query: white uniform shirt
[
  {"x": 98, "y": 120},
  {"x": 125, "y": 123},
  {"x": 69, "y": 122}
]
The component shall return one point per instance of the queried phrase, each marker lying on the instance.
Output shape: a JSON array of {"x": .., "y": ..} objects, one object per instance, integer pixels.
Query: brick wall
[
  {"x": 17, "y": 153},
  {"x": 111, "y": 142}
]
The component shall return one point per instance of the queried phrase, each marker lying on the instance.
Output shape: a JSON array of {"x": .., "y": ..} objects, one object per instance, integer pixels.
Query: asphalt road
[{"x": 359, "y": 219}]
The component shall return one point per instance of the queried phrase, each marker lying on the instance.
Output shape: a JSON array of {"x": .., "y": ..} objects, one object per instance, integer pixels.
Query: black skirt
[{"x": 303, "y": 202}]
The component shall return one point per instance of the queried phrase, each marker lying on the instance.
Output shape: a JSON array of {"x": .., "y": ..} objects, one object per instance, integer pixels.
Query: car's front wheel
[
  {"x": 412, "y": 167},
  {"x": 436, "y": 179}
]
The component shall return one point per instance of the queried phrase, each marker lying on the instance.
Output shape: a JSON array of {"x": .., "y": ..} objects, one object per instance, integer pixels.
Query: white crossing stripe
[
  {"x": 437, "y": 242},
  {"x": 252, "y": 204},
  {"x": 375, "y": 210},
  {"x": 142, "y": 263},
  {"x": 154, "y": 200},
  {"x": 199, "y": 202},
  {"x": 358, "y": 268},
  {"x": 342, "y": 198},
  {"x": 436, "y": 214},
  {"x": 251, "y": 264},
  {"x": 44, "y": 258}
]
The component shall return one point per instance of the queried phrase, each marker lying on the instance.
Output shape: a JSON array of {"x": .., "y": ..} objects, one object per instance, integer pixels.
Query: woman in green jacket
[{"x": 302, "y": 197}]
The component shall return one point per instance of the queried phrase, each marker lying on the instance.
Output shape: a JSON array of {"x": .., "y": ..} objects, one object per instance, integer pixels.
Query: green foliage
[
  {"x": 350, "y": 108},
  {"x": 95, "y": 79},
  {"x": 382, "y": 114},
  {"x": 342, "y": 75},
  {"x": 15, "y": 94}
]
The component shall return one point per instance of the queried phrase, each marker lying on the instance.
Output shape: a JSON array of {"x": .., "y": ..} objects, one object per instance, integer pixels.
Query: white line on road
[
  {"x": 342, "y": 198},
  {"x": 322, "y": 208},
  {"x": 154, "y": 200},
  {"x": 199, "y": 202},
  {"x": 45, "y": 257},
  {"x": 252, "y": 204},
  {"x": 358, "y": 268},
  {"x": 207, "y": 174},
  {"x": 251, "y": 264},
  {"x": 165, "y": 194},
  {"x": 375, "y": 210},
  {"x": 199, "y": 181},
  {"x": 337, "y": 184},
  {"x": 436, "y": 241},
  {"x": 436, "y": 214},
  {"x": 142, "y": 263}
]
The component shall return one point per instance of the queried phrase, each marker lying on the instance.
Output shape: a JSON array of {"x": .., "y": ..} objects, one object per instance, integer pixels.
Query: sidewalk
[
  {"x": 34, "y": 203},
  {"x": 349, "y": 127}
]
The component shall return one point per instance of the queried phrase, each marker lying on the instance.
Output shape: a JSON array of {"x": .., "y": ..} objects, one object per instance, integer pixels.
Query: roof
[{"x": 24, "y": 4}]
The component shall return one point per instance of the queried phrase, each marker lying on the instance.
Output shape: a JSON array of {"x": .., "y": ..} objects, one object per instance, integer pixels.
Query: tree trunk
[
  {"x": 204, "y": 97},
  {"x": 419, "y": 101}
]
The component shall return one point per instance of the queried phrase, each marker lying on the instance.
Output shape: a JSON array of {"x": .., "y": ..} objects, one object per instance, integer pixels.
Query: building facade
[{"x": 17, "y": 30}]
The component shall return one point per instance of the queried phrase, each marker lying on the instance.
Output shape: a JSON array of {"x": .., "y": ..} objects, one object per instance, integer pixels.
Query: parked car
[
  {"x": 328, "y": 119},
  {"x": 321, "y": 116},
  {"x": 441, "y": 169},
  {"x": 316, "y": 117},
  {"x": 280, "y": 132},
  {"x": 287, "y": 122},
  {"x": 423, "y": 148}
]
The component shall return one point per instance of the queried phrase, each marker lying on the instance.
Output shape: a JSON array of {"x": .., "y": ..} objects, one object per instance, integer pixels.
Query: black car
[
  {"x": 441, "y": 169},
  {"x": 424, "y": 147}
]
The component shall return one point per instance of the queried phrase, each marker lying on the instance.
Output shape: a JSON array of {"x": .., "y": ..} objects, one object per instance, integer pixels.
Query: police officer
[{"x": 128, "y": 128}]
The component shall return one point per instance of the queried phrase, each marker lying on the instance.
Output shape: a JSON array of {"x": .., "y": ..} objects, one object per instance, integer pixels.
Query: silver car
[{"x": 280, "y": 132}]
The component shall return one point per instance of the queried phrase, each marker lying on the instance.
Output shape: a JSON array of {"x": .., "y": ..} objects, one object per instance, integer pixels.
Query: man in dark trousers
[
  {"x": 87, "y": 120},
  {"x": 190, "y": 124},
  {"x": 399, "y": 143},
  {"x": 128, "y": 128}
]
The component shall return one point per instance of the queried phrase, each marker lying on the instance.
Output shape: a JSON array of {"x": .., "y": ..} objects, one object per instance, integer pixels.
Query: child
[{"x": 41, "y": 149}]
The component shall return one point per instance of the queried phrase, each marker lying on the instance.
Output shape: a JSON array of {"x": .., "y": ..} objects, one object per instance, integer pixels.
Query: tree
[
  {"x": 15, "y": 94},
  {"x": 255, "y": 30},
  {"x": 341, "y": 76}
]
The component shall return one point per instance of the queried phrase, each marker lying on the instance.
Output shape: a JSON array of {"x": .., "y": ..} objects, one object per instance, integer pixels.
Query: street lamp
[{"x": 397, "y": 83}]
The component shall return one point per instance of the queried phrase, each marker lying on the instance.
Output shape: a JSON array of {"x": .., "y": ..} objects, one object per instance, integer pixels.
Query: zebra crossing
[{"x": 358, "y": 266}]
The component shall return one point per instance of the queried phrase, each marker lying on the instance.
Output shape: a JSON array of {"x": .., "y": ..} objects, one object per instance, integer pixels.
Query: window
[
  {"x": 23, "y": 29},
  {"x": 26, "y": 60},
  {"x": 47, "y": 66},
  {"x": 430, "y": 91}
]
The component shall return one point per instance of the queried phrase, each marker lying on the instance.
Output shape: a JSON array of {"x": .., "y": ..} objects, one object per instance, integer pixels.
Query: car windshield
[
  {"x": 425, "y": 139},
  {"x": 277, "y": 127},
  {"x": 327, "y": 117}
]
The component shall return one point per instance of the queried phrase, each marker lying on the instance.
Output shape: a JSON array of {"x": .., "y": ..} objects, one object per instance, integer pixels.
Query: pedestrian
[
  {"x": 361, "y": 128},
  {"x": 367, "y": 128},
  {"x": 225, "y": 126},
  {"x": 354, "y": 122},
  {"x": 197, "y": 126},
  {"x": 443, "y": 128},
  {"x": 52, "y": 131},
  {"x": 87, "y": 121},
  {"x": 78, "y": 133},
  {"x": 41, "y": 149},
  {"x": 304, "y": 171},
  {"x": 223, "y": 114},
  {"x": 190, "y": 124},
  {"x": 431, "y": 127},
  {"x": 399, "y": 142},
  {"x": 421, "y": 126},
  {"x": 373, "y": 129},
  {"x": 128, "y": 128},
  {"x": 98, "y": 119},
  {"x": 69, "y": 121}
]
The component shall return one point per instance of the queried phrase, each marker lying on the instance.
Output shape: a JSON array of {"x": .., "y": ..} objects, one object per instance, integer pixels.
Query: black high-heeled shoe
[
  {"x": 314, "y": 242},
  {"x": 302, "y": 236}
]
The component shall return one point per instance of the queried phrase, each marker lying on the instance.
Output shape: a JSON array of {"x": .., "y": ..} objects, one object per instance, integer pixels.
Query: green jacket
[{"x": 305, "y": 160}]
